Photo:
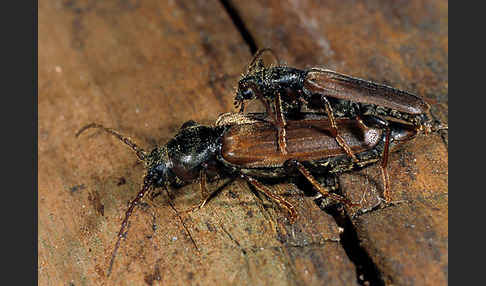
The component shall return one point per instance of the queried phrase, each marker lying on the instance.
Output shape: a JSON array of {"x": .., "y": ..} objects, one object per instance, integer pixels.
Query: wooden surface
[{"x": 146, "y": 67}]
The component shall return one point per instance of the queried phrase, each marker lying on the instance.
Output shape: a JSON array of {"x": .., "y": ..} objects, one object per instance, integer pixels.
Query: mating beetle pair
[
  {"x": 362, "y": 121},
  {"x": 284, "y": 89}
]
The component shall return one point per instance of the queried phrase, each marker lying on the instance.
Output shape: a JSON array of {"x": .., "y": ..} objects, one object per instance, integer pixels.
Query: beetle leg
[
  {"x": 204, "y": 192},
  {"x": 278, "y": 120},
  {"x": 382, "y": 123},
  {"x": 202, "y": 186},
  {"x": 267, "y": 108},
  {"x": 361, "y": 123},
  {"x": 276, "y": 198},
  {"x": 281, "y": 124},
  {"x": 292, "y": 163},
  {"x": 330, "y": 182},
  {"x": 384, "y": 172},
  {"x": 269, "y": 111},
  {"x": 335, "y": 132}
]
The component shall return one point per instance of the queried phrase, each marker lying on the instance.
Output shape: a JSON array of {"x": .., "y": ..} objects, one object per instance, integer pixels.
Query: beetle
[
  {"x": 243, "y": 146},
  {"x": 285, "y": 89}
]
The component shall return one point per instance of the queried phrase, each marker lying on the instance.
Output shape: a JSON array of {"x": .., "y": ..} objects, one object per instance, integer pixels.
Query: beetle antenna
[
  {"x": 258, "y": 57},
  {"x": 128, "y": 213},
  {"x": 141, "y": 154}
]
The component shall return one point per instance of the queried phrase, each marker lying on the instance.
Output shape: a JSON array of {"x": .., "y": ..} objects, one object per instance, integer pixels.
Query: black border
[
  {"x": 34, "y": 26},
  {"x": 19, "y": 142},
  {"x": 466, "y": 188}
]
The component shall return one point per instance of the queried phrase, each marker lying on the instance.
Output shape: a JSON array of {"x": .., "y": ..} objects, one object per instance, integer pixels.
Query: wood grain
[
  {"x": 144, "y": 68},
  {"x": 402, "y": 44}
]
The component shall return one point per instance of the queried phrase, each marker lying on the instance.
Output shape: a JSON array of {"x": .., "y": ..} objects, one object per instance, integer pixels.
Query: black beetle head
[
  {"x": 160, "y": 168},
  {"x": 247, "y": 90}
]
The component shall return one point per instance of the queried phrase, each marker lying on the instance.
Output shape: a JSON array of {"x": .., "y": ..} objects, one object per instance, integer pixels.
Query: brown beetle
[
  {"x": 243, "y": 146},
  {"x": 284, "y": 89}
]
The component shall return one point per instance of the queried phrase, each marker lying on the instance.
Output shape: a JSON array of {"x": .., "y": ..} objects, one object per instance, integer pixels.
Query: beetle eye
[{"x": 248, "y": 93}]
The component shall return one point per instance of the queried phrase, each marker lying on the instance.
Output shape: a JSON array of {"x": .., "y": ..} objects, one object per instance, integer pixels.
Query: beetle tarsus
[
  {"x": 292, "y": 163},
  {"x": 276, "y": 198}
]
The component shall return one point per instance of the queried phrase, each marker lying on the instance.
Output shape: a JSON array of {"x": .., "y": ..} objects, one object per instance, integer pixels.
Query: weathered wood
[
  {"x": 144, "y": 68},
  {"x": 402, "y": 44}
]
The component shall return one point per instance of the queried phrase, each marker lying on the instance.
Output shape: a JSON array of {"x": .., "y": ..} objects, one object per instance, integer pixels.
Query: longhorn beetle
[
  {"x": 284, "y": 89},
  {"x": 243, "y": 146}
]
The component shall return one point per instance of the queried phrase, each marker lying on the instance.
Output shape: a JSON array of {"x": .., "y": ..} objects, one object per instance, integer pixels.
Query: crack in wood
[{"x": 240, "y": 25}]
